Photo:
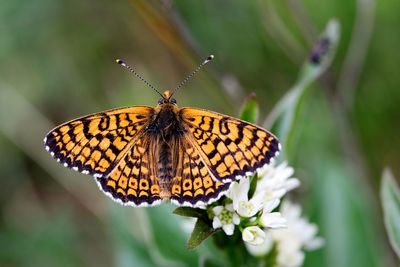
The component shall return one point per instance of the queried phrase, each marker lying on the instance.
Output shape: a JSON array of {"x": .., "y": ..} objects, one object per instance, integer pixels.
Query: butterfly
[{"x": 143, "y": 155}]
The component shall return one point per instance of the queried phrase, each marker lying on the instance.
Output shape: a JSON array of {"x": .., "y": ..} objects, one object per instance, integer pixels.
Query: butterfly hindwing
[
  {"x": 230, "y": 147},
  {"x": 94, "y": 144},
  {"x": 134, "y": 181},
  {"x": 193, "y": 184}
]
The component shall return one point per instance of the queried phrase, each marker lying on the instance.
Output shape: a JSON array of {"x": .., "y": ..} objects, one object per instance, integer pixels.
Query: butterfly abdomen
[{"x": 165, "y": 169}]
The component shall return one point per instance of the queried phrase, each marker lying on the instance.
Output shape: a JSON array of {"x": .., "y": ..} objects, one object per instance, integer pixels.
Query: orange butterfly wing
[
  {"x": 193, "y": 184},
  {"x": 229, "y": 147},
  {"x": 95, "y": 144},
  {"x": 134, "y": 181}
]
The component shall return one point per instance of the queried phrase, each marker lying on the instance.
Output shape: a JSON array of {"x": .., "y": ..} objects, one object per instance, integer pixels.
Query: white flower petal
[
  {"x": 258, "y": 201},
  {"x": 258, "y": 196},
  {"x": 228, "y": 228},
  {"x": 229, "y": 207},
  {"x": 279, "y": 193},
  {"x": 315, "y": 243},
  {"x": 292, "y": 183},
  {"x": 247, "y": 235},
  {"x": 308, "y": 230},
  {"x": 283, "y": 172},
  {"x": 291, "y": 211},
  {"x": 273, "y": 220},
  {"x": 217, "y": 210},
  {"x": 271, "y": 205},
  {"x": 235, "y": 219},
  {"x": 247, "y": 209},
  {"x": 259, "y": 250},
  {"x": 253, "y": 235},
  {"x": 216, "y": 223},
  {"x": 291, "y": 258},
  {"x": 239, "y": 192}
]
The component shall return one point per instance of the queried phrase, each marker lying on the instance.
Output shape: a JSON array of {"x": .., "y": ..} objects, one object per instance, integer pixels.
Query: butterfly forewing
[
  {"x": 230, "y": 147},
  {"x": 95, "y": 144}
]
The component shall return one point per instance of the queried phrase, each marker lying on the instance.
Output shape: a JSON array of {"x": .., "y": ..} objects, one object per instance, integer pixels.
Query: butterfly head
[{"x": 167, "y": 98}]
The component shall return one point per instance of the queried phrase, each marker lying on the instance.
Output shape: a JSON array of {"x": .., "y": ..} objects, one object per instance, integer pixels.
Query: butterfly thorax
[{"x": 165, "y": 122}]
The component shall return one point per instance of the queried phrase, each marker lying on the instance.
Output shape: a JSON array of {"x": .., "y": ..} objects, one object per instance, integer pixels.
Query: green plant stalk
[{"x": 284, "y": 116}]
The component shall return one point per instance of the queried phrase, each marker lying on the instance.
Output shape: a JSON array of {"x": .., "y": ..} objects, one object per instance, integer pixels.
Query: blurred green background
[{"x": 57, "y": 63}]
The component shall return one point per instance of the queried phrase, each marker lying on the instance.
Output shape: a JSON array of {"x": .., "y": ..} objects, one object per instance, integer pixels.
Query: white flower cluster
[
  {"x": 289, "y": 242},
  {"x": 262, "y": 228}
]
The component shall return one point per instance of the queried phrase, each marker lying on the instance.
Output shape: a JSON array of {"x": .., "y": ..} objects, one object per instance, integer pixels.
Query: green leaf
[
  {"x": 253, "y": 185},
  {"x": 285, "y": 115},
  {"x": 191, "y": 212},
  {"x": 249, "y": 111},
  {"x": 390, "y": 198},
  {"x": 202, "y": 230}
]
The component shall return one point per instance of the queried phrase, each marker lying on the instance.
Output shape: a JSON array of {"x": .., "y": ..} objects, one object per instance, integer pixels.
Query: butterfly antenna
[
  {"x": 123, "y": 64},
  {"x": 208, "y": 59}
]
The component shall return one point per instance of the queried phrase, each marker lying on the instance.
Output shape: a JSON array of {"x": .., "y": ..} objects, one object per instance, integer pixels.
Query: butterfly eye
[
  {"x": 173, "y": 101},
  {"x": 161, "y": 101}
]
